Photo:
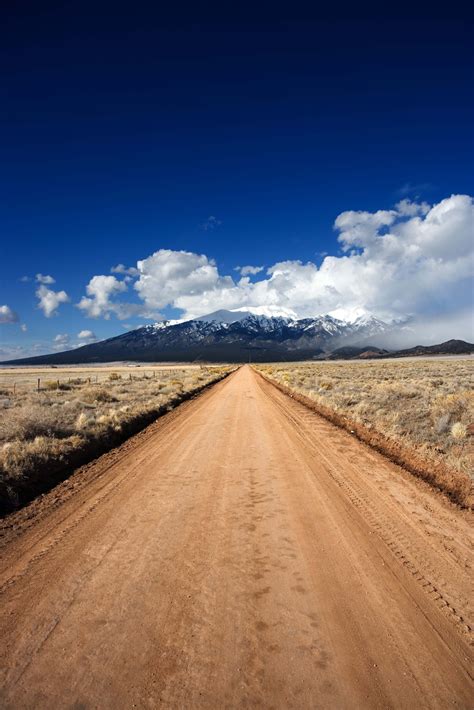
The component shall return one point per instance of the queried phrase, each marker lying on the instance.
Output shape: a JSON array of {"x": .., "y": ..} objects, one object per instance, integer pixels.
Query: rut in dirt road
[{"x": 241, "y": 552}]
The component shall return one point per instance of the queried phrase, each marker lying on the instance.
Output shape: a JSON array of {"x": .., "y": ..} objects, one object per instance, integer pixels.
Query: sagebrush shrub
[{"x": 459, "y": 430}]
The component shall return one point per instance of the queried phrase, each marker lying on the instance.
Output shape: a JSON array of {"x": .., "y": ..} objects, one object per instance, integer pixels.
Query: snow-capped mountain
[
  {"x": 350, "y": 315},
  {"x": 257, "y": 334},
  {"x": 261, "y": 319}
]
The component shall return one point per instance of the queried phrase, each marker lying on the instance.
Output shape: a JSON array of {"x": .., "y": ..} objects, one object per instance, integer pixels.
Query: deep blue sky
[{"x": 123, "y": 127}]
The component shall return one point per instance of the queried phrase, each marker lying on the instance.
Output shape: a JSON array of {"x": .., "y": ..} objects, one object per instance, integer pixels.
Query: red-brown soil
[{"x": 240, "y": 552}]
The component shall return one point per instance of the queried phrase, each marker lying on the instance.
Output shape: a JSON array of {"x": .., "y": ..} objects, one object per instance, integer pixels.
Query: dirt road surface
[{"x": 241, "y": 552}]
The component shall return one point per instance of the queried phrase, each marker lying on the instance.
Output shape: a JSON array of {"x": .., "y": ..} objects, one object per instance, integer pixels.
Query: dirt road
[{"x": 241, "y": 552}]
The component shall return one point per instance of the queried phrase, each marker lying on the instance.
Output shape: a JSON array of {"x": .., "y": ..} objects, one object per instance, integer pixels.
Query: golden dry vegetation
[
  {"x": 422, "y": 406},
  {"x": 73, "y": 414}
]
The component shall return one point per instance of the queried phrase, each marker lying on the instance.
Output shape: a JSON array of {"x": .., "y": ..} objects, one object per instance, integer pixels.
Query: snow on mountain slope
[
  {"x": 234, "y": 335},
  {"x": 267, "y": 311},
  {"x": 270, "y": 319},
  {"x": 350, "y": 315}
]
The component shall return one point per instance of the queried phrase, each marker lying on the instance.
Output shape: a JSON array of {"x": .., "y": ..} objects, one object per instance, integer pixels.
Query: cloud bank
[{"x": 413, "y": 261}]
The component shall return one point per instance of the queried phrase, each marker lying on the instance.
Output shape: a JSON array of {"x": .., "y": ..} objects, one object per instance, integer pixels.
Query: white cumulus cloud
[
  {"x": 61, "y": 341},
  {"x": 122, "y": 269},
  {"x": 360, "y": 229},
  {"x": 49, "y": 300},
  {"x": 249, "y": 270},
  {"x": 42, "y": 279},
  {"x": 7, "y": 315},
  {"x": 407, "y": 208},
  {"x": 100, "y": 290},
  {"x": 87, "y": 335},
  {"x": 173, "y": 277},
  {"x": 101, "y": 302}
]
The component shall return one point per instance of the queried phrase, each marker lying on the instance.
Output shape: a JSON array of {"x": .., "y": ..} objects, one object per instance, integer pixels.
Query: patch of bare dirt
[{"x": 240, "y": 552}]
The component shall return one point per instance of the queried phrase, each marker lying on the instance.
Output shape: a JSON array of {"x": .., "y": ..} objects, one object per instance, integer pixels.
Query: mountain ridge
[{"x": 241, "y": 335}]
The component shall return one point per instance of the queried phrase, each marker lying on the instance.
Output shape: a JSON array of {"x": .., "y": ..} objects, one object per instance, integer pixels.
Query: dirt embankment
[
  {"x": 45, "y": 473},
  {"x": 240, "y": 552},
  {"x": 456, "y": 485}
]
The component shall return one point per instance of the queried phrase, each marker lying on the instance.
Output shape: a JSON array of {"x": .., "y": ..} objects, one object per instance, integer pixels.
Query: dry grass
[
  {"x": 71, "y": 419},
  {"x": 421, "y": 408}
]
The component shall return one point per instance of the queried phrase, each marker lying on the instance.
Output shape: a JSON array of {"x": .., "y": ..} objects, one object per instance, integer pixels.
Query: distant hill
[
  {"x": 371, "y": 352},
  {"x": 450, "y": 347},
  {"x": 351, "y": 352}
]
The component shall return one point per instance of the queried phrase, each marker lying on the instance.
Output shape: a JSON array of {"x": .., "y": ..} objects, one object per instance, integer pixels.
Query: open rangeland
[
  {"x": 52, "y": 419},
  {"x": 419, "y": 411},
  {"x": 239, "y": 552}
]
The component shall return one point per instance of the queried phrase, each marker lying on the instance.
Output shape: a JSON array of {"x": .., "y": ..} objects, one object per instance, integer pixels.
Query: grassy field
[
  {"x": 423, "y": 407},
  {"x": 52, "y": 419}
]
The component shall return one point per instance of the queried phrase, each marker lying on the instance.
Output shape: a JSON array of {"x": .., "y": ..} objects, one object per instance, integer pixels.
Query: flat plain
[
  {"x": 54, "y": 419},
  {"x": 420, "y": 409},
  {"x": 241, "y": 551}
]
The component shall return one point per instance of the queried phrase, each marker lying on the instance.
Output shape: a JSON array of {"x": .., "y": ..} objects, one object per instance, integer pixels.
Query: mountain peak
[
  {"x": 267, "y": 311},
  {"x": 351, "y": 315}
]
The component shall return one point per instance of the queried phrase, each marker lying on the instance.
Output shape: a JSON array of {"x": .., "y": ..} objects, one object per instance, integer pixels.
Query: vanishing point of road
[{"x": 240, "y": 552}]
